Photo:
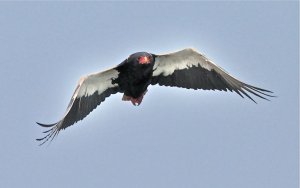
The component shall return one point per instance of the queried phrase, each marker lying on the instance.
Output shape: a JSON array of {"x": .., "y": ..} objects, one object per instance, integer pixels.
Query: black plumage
[{"x": 134, "y": 78}]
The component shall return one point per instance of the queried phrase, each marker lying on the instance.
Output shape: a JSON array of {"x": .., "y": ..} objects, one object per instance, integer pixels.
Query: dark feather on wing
[
  {"x": 79, "y": 109},
  {"x": 196, "y": 77}
]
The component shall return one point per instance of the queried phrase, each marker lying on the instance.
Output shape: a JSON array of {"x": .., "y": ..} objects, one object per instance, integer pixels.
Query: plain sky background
[{"x": 177, "y": 138}]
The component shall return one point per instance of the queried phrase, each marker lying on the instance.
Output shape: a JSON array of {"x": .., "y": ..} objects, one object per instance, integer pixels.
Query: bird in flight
[{"x": 185, "y": 69}]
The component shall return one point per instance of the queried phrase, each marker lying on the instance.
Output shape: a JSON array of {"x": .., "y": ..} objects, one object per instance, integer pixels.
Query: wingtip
[
  {"x": 51, "y": 134},
  {"x": 261, "y": 93},
  {"x": 46, "y": 125}
]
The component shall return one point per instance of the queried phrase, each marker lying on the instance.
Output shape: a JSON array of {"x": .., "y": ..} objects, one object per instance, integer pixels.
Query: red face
[{"x": 144, "y": 60}]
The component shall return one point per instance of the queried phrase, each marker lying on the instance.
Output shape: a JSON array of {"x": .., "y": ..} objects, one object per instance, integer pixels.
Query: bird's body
[
  {"x": 186, "y": 69},
  {"x": 135, "y": 77}
]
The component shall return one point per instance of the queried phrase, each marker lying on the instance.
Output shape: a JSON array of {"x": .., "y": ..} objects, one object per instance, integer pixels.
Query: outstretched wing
[
  {"x": 192, "y": 70},
  {"x": 89, "y": 93}
]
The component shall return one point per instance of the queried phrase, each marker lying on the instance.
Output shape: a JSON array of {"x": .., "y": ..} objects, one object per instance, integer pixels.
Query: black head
[{"x": 141, "y": 58}]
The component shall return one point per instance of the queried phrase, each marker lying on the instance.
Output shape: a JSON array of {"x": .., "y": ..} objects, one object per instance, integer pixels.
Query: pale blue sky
[{"x": 177, "y": 138}]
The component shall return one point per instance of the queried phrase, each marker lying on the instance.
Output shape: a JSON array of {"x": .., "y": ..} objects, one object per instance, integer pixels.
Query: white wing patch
[
  {"x": 99, "y": 82},
  {"x": 167, "y": 64}
]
